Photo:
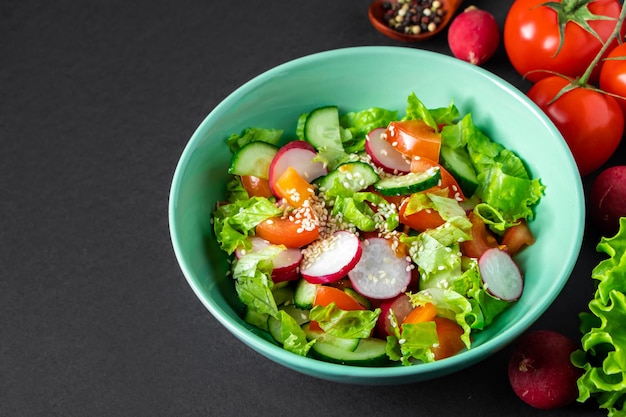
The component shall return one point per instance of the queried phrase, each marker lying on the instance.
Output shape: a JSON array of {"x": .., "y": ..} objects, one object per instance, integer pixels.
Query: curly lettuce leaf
[
  {"x": 603, "y": 352},
  {"x": 292, "y": 336},
  {"x": 234, "y": 222},
  {"x": 356, "y": 209},
  {"x": 353, "y": 324},
  {"x": 360, "y": 123},
  {"x": 416, "y": 110},
  {"x": 253, "y": 134},
  {"x": 411, "y": 342}
]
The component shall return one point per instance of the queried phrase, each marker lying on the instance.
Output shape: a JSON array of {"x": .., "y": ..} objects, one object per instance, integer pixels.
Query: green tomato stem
[{"x": 616, "y": 31}]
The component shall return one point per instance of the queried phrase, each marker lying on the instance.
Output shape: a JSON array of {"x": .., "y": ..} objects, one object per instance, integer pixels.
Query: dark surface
[{"x": 97, "y": 101}]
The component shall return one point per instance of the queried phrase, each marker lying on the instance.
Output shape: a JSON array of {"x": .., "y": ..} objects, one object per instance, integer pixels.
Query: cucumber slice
[
  {"x": 253, "y": 159},
  {"x": 352, "y": 176},
  {"x": 410, "y": 183},
  {"x": 305, "y": 294},
  {"x": 369, "y": 352},
  {"x": 321, "y": 336},
  {"x": 458, "y": 163},
  {"x": 322, "y": 128}
]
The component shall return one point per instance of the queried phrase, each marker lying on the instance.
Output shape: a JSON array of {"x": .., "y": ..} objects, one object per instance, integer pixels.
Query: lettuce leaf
[
  {"x": 353, "y": 324},
  {"x": 293, "y": 337},
  {"x": 253, "y": 134},
  {"x": 412, "y": 342},
  {"x": 603, "y": 353},
  {"x": 234, "y": 222}
]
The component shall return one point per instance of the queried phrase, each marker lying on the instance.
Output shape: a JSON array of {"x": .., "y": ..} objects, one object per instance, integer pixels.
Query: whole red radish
[
  {"x": 474, "y": 35},
  {"x": 540, "y": 370},
  {"x": 607, "y": 200}
]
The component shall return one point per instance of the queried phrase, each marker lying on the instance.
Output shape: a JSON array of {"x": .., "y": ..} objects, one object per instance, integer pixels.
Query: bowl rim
[{"x": 362, "y": 374}]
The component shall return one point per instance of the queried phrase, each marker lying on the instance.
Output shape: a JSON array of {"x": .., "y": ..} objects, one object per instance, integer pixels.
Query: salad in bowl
[{"x": 375, "y": 237}]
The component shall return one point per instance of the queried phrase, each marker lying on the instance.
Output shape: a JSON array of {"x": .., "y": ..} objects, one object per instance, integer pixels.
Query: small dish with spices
[{"x": 412, "y": 20}]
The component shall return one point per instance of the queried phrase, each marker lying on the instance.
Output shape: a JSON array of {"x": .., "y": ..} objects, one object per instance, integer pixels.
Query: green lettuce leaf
[
  {"x": 411, "y": 343},
  {"x": 353, "y": 324},
  {"x": 234, "y": 222},
  {"x": 603, "y": 352},
  {"x": 253, "y": 134},
  {"x": 292, "y": 336},
  {"x": 356, "y": 209},
  {"x": 360, "y": 123}
]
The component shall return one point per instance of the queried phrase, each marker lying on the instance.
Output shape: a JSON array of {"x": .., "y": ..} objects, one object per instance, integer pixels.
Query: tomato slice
[
  {"x": 421, "y": 314},
  {"x": 255, "y": 186},
  {"x": 293, "y": 188},
  {"x": 290, "y": 230},
  {"x": 414, "y": 138},
  {"x": 326, "y": 295},
  {"x": 422, "y": 220},
  {"x": 517, "y": 238},
  {"x": 450, "y": 343},
  {"x": 482, "y": 238}
]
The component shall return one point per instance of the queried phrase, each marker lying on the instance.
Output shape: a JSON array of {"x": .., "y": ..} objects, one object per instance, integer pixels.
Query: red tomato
[
  {"x": 414, "y": 138},
  {"x": 420, "y": 221},
  {"x": 450, "y": 343},
  {"x": 482, "y": 238},
  {"x": 285, "y": 231},
  {"x": 421, "y": 314},
  {"x": 255, "y": 186},
  {"x": 613, "y": 75},
  {"x": 326, "y": 295},
  {"x": 532, "y": 36},
  {"x": 592, "y": 123},
  {"x": 517, "y": 237}
]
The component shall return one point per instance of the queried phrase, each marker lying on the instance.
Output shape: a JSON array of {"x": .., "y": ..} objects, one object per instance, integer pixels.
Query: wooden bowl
[{"x": 376, "y": 15}]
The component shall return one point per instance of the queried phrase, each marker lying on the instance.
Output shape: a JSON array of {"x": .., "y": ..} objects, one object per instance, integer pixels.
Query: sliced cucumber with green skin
[
  {"x": 253, "y": 159},
  {"x": 353, "y": 176},
  {"x": 458, "y": 163},
  {"x": 410, "y": 183},
  {"x": 321, "y": 336},
  {"x": 304, "y": 296},
  {"x": 322, "y": 128},
  {"x": 369, "y": 352}
]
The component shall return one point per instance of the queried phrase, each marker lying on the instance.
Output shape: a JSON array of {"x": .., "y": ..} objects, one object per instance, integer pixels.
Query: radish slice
[
  {"x": 329, "y": 260},
  {"x": 300, "y": 155},
  {"x": 500, "y": 274},
  {"x": 383, "y": 154},
  {"x": 286, "y": 263},
  {"x": 380, "y": 273},
  {"x": 401, "y": 307}
]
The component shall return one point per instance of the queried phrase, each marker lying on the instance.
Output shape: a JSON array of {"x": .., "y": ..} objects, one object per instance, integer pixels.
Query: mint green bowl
[{"x": 354, "y": 79}]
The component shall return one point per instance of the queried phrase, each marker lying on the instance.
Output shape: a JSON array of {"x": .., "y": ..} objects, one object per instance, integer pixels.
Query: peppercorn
[{"x": 413, "y": 16}]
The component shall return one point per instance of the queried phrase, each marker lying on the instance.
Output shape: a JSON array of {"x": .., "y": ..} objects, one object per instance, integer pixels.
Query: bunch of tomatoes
[{"x": 573, "y": 52}]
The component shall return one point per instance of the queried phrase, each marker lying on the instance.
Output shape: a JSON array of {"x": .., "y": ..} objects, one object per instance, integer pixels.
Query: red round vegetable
[
  {"x": 607, "y": 200},
  {"x": 540, "y": 370},
  {"x": 474, "y": 36}
]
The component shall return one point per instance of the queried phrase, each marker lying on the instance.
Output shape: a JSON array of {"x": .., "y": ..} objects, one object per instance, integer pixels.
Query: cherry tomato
[
  {"x": 287, "y": 231},
  {"x": 414, "y": 138},
  {"x": 324, "y": 295},
  {"x": 592, "y": 123},
  {"x": 255, "y": 186},
  {"x": 532, "y": 36},
  {"x": 613, "y": 74},
  {"x": 450, "y": 342}
]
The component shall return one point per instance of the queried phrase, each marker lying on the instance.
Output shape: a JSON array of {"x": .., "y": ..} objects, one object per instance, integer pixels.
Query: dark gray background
[{"x": 97, "y": 101}]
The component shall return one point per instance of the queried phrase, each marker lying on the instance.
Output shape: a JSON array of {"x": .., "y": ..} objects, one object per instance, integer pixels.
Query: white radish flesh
[
  {"x": 330, "y": 259},
  {"x": 383, "y": 154},
  {"x": 380, "y": 274},
  {"x": 286, "y": 263},
  {"x": 500, "y": 274},
  {"x": 300, "y": 155}
]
